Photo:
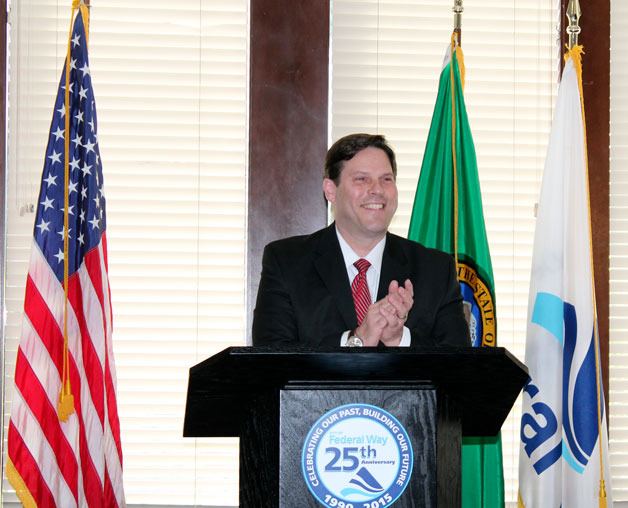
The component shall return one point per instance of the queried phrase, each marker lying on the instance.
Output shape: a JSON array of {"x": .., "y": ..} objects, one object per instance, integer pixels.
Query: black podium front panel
[{"x": 354, "y": 448}]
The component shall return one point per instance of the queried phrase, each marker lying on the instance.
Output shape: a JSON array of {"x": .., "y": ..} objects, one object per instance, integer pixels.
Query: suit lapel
[
  {"x": 394, "y": 266},
  {"x": 331, "y": 267}
]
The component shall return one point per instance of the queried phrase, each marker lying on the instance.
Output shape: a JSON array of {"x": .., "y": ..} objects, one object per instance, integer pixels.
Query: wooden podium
[{"x": 351, "y": 427}]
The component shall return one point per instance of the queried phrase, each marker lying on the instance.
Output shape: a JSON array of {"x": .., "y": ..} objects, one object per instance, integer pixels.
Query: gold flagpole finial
[
  {"x": 457, "y": 9},
  {"x": 573, "y": 16}
]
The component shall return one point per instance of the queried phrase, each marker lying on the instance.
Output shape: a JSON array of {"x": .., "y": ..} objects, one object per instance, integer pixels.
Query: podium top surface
[{"x": 484, "y": 382}]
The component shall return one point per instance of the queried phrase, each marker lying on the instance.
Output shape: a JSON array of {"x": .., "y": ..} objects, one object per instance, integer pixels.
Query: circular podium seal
[{"x": 357, "y": 456}]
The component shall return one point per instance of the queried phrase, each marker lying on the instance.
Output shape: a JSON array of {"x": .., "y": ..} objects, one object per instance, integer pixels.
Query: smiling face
[{"x": 365, "y": 199}]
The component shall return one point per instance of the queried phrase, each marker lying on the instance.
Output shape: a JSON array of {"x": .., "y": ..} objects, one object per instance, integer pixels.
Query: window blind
[
  {"x": 618, "y": 365},
  {"x": 170, "y": 82},
  {"x": 386, "y": 61}
]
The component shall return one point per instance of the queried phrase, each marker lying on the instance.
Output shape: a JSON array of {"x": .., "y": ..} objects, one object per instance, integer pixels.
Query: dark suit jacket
[{"x": 304, "y": 296}]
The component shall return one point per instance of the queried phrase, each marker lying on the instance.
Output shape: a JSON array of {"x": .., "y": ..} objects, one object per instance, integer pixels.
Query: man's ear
[{"x": 329, "y": 189}]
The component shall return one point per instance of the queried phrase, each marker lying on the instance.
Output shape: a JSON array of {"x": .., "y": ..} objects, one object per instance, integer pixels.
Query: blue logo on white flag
[{"x": 579, "y": 402}]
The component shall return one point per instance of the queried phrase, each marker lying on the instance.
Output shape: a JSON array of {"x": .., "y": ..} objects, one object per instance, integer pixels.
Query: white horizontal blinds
[
  {"x": 387, "y": 57},
  {"x": 170, "y": 82},
  {"x": 618, "y": 396}
]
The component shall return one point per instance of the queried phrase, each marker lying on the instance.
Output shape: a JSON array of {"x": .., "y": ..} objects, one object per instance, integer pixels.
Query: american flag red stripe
[
  {"x": 40, "y": 406},
  {"x": 101, "y": 478},
  {"x": 91, "y": 360},
  {"x": 39, "y": 313},
  {"x": 30, "y": 475},
  {"x": 75, "y": 462}
]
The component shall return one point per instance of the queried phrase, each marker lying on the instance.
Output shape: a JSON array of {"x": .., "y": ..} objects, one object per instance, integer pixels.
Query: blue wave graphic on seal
[
  {"x": 365, "y": 481},
  {"x": 349, "y": 491}
]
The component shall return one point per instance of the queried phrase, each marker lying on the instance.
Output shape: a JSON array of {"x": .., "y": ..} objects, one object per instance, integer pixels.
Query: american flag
[{"x": 76, "y": 462}]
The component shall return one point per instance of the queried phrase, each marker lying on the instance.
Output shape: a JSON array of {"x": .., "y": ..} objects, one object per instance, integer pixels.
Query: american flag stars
[{"x": 86, "y": 195}]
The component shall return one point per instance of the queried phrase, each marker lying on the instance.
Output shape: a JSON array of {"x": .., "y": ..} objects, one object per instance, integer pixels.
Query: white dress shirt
[{"x": 372, "y": 277}]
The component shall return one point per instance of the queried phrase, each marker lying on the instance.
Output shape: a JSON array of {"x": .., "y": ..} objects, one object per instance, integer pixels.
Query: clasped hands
[{"x": 385, "y": 318}]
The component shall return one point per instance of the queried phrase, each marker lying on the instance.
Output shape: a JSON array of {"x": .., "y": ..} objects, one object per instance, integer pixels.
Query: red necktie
[{"x": 360, "y": 290}]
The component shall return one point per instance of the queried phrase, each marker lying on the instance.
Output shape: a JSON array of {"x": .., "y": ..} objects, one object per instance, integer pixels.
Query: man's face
[{"x": 365, "y": 200}]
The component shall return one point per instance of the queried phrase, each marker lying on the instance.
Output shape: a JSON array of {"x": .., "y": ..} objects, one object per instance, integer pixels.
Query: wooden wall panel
[{"x": 287, "y": 124}]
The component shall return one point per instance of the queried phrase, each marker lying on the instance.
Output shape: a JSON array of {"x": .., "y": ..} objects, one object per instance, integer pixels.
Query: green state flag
[{"x": 447, "y": 215}]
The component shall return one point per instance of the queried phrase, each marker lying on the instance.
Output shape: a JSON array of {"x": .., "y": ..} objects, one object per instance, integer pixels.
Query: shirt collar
[{"x": 374, "y": 256}]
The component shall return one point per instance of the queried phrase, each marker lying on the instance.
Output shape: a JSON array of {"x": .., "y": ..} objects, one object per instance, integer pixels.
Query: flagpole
[
  {"x": 458, "y": 9},
  {"x": 573, "y": 16}
]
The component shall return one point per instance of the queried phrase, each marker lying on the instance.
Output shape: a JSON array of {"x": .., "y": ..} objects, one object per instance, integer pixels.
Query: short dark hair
[{"x": 345, "y": 149}]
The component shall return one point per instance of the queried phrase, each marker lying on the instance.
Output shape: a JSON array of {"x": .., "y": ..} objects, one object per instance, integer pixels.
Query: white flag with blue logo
[{"x": 563, "y": 458}]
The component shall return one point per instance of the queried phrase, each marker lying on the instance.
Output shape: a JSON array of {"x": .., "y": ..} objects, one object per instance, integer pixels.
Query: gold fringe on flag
[{"x": 17, "y": 482}]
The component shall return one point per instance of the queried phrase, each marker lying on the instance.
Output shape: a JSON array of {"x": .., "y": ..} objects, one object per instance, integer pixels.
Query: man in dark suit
[{"x": 354, "y": 283}]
